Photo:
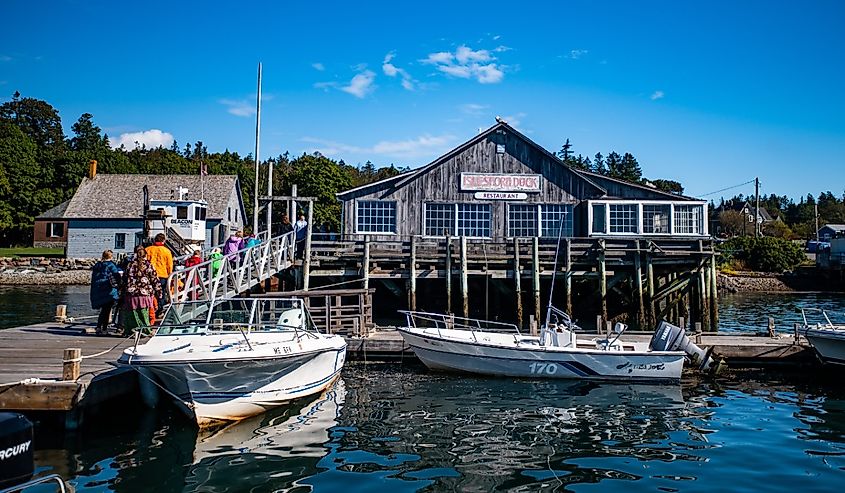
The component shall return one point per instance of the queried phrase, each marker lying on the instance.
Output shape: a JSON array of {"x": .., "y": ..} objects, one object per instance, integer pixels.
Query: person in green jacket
[{"x": 217, "y": 261}]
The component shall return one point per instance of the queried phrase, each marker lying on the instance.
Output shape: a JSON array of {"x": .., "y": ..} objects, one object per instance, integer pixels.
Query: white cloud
[
  {"x": 576, "y": 54},
  {"x": 5, "y": 58},
  {"x": 656, "y": 95},
  {"x": 466, "y": 63},
  {"x": 318, "y": 66},
  {"x": 475, "y": 109},
  {"x": 422, "y": 146},
  {"x": 361, "y": 85},
  {"x": 514, "y": 120},
  {"x": 150, "y": 139},
  {"x": 239, "y": 107},
  {"x": 392, "y": 70}
]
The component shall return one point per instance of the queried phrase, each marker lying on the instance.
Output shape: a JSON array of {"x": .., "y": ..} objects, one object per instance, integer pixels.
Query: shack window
[
  {"x": 623, "y": 218},
  {"x": 522, "y": 220},
  {"x": 555, "y": 217},
  {"x": 474, "y": 220},
  {"x": 439, "y": 219},
  {"x": 376, "y": 216},
  {"x": 688, "y": 219},
  {"x": 199, "y": 213},
  {"x": 55, "y": 230},
  {"x": 120, "y": 241},
  {"x": 598, "y": 225},
  {"x": 656, "y": 218},
  {"x": 182, "y": 212}
]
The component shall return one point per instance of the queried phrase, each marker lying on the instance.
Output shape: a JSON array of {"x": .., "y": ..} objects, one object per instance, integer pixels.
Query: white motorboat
[
  {"x": 229, "y": 359},
  {"x": 827, "y": 338},
  {"x": 444, "y": 342}
]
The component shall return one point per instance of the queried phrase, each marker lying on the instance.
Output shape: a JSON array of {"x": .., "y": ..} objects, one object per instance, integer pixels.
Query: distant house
[
  {"x": 748, "y": 212},
  {"x": 106, "y": 211},
  {"x": 50, "y": 230},
  {"x": 500, "y": 184},
  {"x": 831, "y": 231}
]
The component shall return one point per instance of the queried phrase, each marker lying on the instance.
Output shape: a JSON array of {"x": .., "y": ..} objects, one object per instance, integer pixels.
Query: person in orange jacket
[{"x": 162, "y": 260}]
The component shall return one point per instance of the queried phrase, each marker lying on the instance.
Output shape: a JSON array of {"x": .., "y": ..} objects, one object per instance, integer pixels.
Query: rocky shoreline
[
  {"x": 751, "y": 283},
  {"x": 45, "y": 271}
]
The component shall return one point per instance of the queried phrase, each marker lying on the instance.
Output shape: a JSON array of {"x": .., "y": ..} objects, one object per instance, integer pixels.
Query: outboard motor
[
  {"x": 670, "y": 337},
  {"x": 16, "y": 462}
]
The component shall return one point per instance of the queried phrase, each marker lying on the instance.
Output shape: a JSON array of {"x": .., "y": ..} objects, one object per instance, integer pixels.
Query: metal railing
[
  {"x": 441, "y": 321},
  {"x": 50, "y": 478},
  {"x": 824, "y": 313},
  {"x": 232, "y": 274}
]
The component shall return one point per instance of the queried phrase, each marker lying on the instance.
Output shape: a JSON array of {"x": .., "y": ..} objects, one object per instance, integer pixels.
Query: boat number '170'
[{"x": 543, "y": 368}]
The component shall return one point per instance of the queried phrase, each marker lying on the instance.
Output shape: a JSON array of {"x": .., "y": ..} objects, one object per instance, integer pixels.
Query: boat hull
[
  {"x": 442, "y": 353},
  {"x": 217, "y": 392},
  {"x": 829, "y": 344}
]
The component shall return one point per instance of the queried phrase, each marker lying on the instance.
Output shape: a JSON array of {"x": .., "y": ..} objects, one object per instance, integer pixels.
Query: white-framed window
[
  {"x": 182, "y": 212},
  {"x": 656, "y": 218},
  {"x": 375, "y": 216},
  {"x": 522, "y": 220},
  {"x": 599, "y": 222},
  {"x": 623, "y": 218},
  {"x": 55, "y": 230},
  {"x": 439, "y": 219},
  {"x": 474, "y": 220},
  {"x": 120, "y": 241},
  {"x": 556, "y": 219},
  {"x": 688, "y": 219}
]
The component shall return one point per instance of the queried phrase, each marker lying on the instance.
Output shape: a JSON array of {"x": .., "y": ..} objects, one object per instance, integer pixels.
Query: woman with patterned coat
[{"x": 141, "y": 286}]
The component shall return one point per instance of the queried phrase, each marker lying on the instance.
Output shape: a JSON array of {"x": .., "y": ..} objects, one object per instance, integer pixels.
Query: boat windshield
[{"x": 236, "y": 314}]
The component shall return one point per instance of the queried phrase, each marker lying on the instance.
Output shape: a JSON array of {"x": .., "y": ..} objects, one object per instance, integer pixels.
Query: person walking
[
  {"x": 234, "y": 244},
  {"x": 105, "y": 280},
  {"x": 301, "y": 229},
  {"x": 140, "y": 288},
  {"x": 216, "y": 261},
  {"x": 194, "y": 259},
  {"x": 287, "y": 227},
  {"x": 162, "y": 260}
]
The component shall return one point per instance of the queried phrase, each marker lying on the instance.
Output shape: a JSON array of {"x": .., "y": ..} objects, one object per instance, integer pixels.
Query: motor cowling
[
  {"x": 670, "y": 337},
  {"x": 16, "y": 461}
]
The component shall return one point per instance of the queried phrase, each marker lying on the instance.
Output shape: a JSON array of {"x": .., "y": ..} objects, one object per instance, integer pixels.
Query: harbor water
[{"x": 398, "y": 427}]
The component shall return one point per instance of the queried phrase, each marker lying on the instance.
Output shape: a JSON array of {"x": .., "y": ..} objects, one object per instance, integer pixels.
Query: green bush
[{"x": 764, "y": 254}]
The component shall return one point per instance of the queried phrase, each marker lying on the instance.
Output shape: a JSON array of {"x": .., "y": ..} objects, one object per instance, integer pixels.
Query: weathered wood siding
[{"x": 441, "y": 183}]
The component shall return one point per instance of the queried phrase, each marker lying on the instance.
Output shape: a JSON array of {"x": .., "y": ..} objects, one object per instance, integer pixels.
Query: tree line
[
  {"x": 41, "y": 167},
  {"x": 792, "y": 220}
]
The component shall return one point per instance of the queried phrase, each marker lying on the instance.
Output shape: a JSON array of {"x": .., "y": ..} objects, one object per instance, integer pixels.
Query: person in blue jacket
[{"x": 105, "y": 279}]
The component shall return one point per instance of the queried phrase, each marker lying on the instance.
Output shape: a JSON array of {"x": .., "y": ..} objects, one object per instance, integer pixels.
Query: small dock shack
[{"x": 475, "y": 232}]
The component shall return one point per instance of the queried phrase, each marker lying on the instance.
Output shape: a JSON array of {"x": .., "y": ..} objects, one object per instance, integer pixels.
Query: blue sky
[{"x": 708, "y": 93}]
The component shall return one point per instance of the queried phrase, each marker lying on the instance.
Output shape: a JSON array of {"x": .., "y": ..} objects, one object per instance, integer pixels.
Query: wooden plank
[{"x": 46, "y": 396}]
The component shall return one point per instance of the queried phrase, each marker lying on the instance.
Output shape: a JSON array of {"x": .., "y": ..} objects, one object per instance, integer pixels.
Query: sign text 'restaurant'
[{"x": 491, "y": 182}]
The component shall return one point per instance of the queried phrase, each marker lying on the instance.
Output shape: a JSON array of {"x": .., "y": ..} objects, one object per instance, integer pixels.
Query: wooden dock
[{"x": 32, "y": 380}]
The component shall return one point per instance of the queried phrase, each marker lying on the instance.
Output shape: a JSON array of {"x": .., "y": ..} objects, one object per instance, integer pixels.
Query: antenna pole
[
  {"x": 257, "y": 147},
  {"x": 554, "y": 272}
]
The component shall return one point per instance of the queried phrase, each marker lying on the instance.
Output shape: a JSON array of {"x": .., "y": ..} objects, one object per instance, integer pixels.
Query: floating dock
[{"x": 37, "y": 370}]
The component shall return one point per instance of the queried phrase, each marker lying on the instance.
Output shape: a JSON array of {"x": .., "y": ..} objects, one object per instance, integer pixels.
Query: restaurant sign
[
  {"x": 493, "y": 182},
  {"x": 501, "y": 195}
]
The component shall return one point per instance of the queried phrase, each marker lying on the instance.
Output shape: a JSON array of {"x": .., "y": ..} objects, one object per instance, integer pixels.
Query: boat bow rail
[{"x": 438, "y": 321}]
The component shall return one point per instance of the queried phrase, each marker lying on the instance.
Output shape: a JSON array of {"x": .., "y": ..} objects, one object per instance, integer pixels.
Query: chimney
[{"x": 92, "y": 168}]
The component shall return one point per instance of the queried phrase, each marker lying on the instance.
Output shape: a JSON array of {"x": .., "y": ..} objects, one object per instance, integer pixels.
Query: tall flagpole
[{"x": 257, "y": 142}]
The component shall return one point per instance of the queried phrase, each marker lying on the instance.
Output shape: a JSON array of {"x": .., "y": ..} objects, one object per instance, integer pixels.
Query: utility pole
[
  {"x": 257, "y": 141},
  {"x": 757, "y": 209}
]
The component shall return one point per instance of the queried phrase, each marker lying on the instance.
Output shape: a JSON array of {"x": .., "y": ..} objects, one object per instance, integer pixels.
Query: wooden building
[
  {"x": 501, "y": 184},
  {"x": 106, "y": 211}
]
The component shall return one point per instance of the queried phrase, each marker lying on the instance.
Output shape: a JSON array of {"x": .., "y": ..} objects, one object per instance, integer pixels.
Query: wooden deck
[{"x": 31, "y": 362}]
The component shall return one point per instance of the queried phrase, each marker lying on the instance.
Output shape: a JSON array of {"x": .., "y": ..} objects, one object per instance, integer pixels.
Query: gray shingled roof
[
  {"x": 835, "y": 227},
  {"x": 57, "y": 212},
  {"x": 121, "y": 196}
]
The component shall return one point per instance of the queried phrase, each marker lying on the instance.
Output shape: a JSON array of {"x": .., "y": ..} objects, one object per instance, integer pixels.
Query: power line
[{"x": 725, "y": 189}]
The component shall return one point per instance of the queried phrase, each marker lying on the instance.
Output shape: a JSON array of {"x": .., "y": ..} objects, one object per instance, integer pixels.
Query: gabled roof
[
  {"x": 600, "y": 178},
  {"x": 57, "y": 212},
  {"x": 400, "y": 180},
  {"x": 121, "y": 196},
  {"x": 836, "y": 227}
]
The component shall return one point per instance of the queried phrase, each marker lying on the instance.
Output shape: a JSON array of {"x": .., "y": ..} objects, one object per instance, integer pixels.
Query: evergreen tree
[
  {"x": 599, "y": 165},
  {"x": 629, "y": 168},
  {"x": 565, "y": 152},
  {"x": 614, "y": 165}
]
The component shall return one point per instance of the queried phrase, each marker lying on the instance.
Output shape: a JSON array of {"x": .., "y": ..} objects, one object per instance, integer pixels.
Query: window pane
[
  {"x": 522, "y": 220},
  {"x": 119, "y": 241},
  {"x": 656, "y": 219},
  {"x": 598, "y": 225},
  {"x": 439, "y": 219},
  {"x": 623, "y": 218},
  {"x": 688, "y": 219},
  {"x": 182, "y": 212},
  {"x": 474, "y": 220},
  {"x": 557, "y": 217},
  {"x": 375, "y": 216}
]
